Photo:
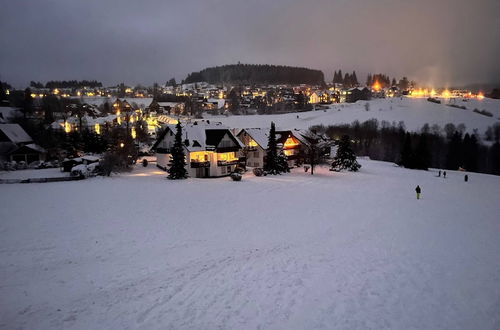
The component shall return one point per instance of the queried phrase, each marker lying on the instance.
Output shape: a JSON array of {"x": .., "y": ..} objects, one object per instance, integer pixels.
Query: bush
[
  {"x": 258, "y": 171},
  {"x": 236, "y": 176},
  {"x": 483, "y": 112}
]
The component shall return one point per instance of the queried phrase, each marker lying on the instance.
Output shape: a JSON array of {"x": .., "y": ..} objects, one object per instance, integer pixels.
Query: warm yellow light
[
  {"x": 33, "y": 95},
  {"x": 198, "y": 156},
  {"x": 133, "y": 133},
  {"x": 480, "y": 96},
  {"x": 376, "y": 86},
  {"x": 446, "y": 94},
  {"x": 97, "y": 128},
  {"x": 7, "y": 92},
  {"x": 252, "y": 143},
  {"x": 433, "y": 92},
  {"x": 290, "y": 143},
  {"x": 227, "y": 156},
  {"x": 122, "y": 145},
  {"x": 67, "y": 127},
  {"x": 40, "y": 95},
  {"x": 78, "y": 93},
  {"x": 56, "y": 91}
]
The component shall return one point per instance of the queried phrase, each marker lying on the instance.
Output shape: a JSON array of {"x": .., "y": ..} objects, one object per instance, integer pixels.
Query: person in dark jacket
[
  {"x": 444, "y": 174},
  {"x": 439, "y": 173},
  {"x": 466, "y": 178},
  {"x": 418, "y": 191}
]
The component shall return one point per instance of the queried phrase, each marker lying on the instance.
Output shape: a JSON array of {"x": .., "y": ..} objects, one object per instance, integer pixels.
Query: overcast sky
[{"x": 432, "y": 41}]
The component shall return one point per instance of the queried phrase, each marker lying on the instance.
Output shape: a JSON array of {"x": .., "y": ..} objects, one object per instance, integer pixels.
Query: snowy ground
[
  {"x": 32, "y": 174},
  {"x": 412, "y": 111},
  {"x": 334, "y": 250}
]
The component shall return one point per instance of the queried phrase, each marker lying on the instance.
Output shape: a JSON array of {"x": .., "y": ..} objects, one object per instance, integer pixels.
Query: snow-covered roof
[
  {"x": 7, "y": 112},
  {"x": 202, "y": 134},
  {"x": 220, "y": 102},
  {"x": 15, "y": 133},
  {"x": 259, "y": 135},
  {"x": 169, "y": 104},
  {"x": 36, "y": 147}
]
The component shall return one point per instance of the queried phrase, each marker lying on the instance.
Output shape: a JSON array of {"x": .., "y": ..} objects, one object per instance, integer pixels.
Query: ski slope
[
  {"x": 333, "y": 250},
  {"x": 414, "y": 112}
]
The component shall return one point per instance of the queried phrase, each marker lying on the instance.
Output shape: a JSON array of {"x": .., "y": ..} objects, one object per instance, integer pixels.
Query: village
[{"x": 136, "y": 121}]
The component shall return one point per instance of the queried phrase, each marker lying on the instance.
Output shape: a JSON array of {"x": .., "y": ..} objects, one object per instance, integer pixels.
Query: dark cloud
[{"x": 440, "y": 41}]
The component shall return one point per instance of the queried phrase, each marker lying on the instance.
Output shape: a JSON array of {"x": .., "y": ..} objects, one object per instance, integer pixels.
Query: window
[
  {"x": 223, "y": 170},
  {"x": 256, "y": 154}
]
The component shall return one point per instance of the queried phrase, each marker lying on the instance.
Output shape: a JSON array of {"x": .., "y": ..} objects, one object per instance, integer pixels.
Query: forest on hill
[{"x": 257, "y": 74}]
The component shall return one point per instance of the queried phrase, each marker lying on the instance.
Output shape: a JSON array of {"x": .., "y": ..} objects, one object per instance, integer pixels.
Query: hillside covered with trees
[{"x": 257, "y": 74}]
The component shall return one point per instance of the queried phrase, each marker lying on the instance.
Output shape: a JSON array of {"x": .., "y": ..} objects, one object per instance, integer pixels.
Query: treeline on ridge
[
  {"x": 67, "y": 84},
  {"x": 448, "y": 147},
  {"x": 257, "y": 74}
]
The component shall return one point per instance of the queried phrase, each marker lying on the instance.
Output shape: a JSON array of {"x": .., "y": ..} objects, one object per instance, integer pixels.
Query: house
[
  {"x": 358, "y": 93},
  {"x": 255, "y": 141},
  {"x": 211, "y": 149},
  {"x": 17, "y": 145},
  {"x": 170, "y": 108}
]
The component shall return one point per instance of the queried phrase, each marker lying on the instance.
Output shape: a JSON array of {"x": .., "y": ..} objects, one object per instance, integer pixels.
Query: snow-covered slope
[
  {"x": 333, "y": 250},
  {"x": 414, "y": 112}
]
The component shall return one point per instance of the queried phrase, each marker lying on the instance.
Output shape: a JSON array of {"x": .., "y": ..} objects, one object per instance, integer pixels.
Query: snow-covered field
[
  {"x": 32, "y": 174},
  {"x": 414, "y": 112},
  {"x": 329, "y": 251}
]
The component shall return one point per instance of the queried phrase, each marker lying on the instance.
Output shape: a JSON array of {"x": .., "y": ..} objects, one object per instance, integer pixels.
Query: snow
[
  {"x": 15, "y": 133},
  {"x": 333, "y": 250},
  {"x": 414, "y": 112},
  {"x": 33, "y": 174}
]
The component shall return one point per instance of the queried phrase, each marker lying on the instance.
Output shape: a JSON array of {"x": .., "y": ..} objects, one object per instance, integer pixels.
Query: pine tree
[
  {"x": 272, "y": 165},
  {"x": 177, "y": 162},
  {"x": 345, "y": 157},
  {"x": 422, "y": 154},
  {"x": 407, "y": 157},
  {"x": 354, "y": 79},
  {"x": 282, "y": 162}
]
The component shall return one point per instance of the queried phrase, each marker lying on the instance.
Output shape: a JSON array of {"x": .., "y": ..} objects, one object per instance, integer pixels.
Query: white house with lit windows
[
  {"x": 211, "y": 149},
  {"x": 255, "y": 141}
]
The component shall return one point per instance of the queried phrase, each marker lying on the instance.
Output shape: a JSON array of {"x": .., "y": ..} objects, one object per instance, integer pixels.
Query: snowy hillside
[
  {"x": 334, "y": 250},
  {"x": 413, "y": 111}
]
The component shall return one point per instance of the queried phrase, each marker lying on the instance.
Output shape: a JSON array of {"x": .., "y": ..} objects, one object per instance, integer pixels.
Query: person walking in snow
[
  {"x": 439, "y": 173},
  {"x": 444, "y": 174},
  {"x": 466, "y": 178},
  {"x": 418, "y": 191}
]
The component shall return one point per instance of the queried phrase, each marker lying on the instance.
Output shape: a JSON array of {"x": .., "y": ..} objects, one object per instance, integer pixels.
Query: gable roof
[
  {"x": 261, "y": 136},
  {"x": 15, "y": 133},
  {"x": 199, "y": 135},
  {"x": 6, "y": 113}
]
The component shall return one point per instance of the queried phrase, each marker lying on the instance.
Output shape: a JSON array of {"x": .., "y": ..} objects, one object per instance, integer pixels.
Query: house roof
[
  {"x": 7, "y": 112},
  {"x": 199, "y": 135},
  {"x": 15, "y": 133},
  {"x": 261, "y": 135},
  {"x": 30, "y": 147}
]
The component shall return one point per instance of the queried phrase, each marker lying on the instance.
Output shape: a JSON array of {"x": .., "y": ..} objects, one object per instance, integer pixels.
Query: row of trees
[
  {"x": 449, "y": 147},
  {"x": 385, "y": 81},
  {"x": 348, "y": 80},
  {"x": 257, "y": 74},
  {"x": 66, "y": 84}
]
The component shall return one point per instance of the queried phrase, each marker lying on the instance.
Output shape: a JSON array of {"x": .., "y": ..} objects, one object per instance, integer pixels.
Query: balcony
[
  {"x": 227, "y": 162},
  {"x": 200, "y": 164}
]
